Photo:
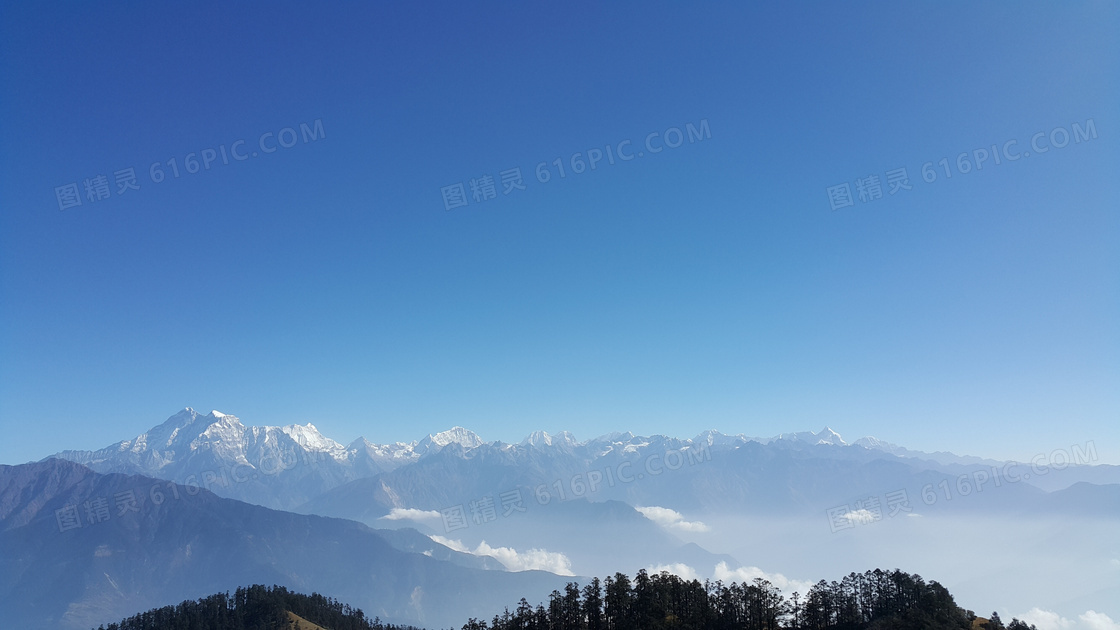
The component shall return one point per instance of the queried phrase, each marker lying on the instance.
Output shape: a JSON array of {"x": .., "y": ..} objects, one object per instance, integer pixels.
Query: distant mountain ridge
[
  {"x": 268, "y": 463},
  {"x": 225, "y": 435},
  {"x": 290, "y": 466}
]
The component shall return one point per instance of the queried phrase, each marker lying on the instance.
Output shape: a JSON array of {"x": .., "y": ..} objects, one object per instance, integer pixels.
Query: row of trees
[
  {"x": 872, "y": 600},
  {"x": 255, "y": 607}
]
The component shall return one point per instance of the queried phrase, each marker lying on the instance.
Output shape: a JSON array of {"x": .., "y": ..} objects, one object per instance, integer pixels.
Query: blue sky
[{"x": 710, "y": 285}]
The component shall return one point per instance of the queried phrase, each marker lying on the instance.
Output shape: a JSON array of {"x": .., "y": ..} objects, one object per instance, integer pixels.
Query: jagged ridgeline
[
  {"x": 255, "y": 608},
  {"x": 873, "y": 600}
]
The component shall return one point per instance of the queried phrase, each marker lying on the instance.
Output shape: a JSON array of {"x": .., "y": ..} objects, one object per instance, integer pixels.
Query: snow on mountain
[
  {"x": 824, "y": 436},
  {"x": 397, "y": 452},
  {"x": 190, "y": 442},
  {"x": 267, "y": 465},
  {"x": 455, "y": 435},
  {"x": 309, "y": 438},
  {"x": 182, "y": 433},
  {"x": 565, "y": 437},
  {"x": 542, "y": 439},
  {"x": 287, "y": 466},
  {"x": 870, "y": 442},
  {"x": 712, "y": 437},
  {"x": 828, "y": 436},
  {"x": 537, "y": 438},
  {"x": 614, "y": 437}
]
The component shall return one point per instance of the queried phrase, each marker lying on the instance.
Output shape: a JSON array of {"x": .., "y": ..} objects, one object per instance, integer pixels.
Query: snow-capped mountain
[
  {"x": 309, "y": 438},
  {"x": 273, "y": 466},
  {"x": 824, "y": 436},
  {"x": 541, "y": 439},
  {"x": 619, "y": 500},
  {"x": 289, "y": 466},
  {"x": 455, "y": 435}
]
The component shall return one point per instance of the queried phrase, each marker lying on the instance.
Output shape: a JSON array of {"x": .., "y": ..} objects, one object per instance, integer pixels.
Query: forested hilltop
[
  {"x": 255, "y": 608},
  {"x": 873, "y": 600}
]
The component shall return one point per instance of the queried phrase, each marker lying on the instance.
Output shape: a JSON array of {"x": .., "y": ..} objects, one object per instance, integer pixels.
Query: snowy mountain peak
[
  {"x": 456, "y": 435},
  {"x": 824, "y": 436},
  {"x": 828, "y": 436},
  {"x": 872, "y": 442},
  {"x": 181, "y": 428},
  {"x": 564, "y": 437},
  {"x": 189, "y": 416},
  {"x": 542, "y": 439},
  {"x": 537, "y": 438},
  {"x": 309, "y": 438},
  {"x": 360, "y": 443},
  {"x": 185, "y": 417},
  {"x": 712, "y": 437},
  {"x": 615, "y": 438}
]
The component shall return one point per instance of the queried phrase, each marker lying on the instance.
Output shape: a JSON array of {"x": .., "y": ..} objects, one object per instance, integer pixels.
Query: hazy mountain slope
[
  {"x": 762, "y": 479},
  {"x": 189, "y": 545},
  {"x": 412, "y": 541}
]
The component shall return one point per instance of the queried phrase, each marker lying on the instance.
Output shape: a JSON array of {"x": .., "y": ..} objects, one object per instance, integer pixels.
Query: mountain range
[
  {"x": 284, "y": 467},
  {"x": 295, "y": 467},
  {"x": 449, "y": 525}
]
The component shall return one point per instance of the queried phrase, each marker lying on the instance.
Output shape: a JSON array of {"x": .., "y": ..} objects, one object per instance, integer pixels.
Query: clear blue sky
[{"x": 708, "y": 285}]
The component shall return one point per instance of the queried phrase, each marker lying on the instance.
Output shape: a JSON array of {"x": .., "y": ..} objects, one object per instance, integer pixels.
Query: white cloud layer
[
  {"x": 531, "y": 560},
  {"x": 411, "y": 514},
  {"x": 454, "y": 545},
  {"x": 679, "y": 569},
  {"x": 1093, "y": 620},
  {"x": 748, "y": 574},
  {"x": 1050, "y": 620},
  {"x": 671, "y": 519},
  {"x": 745, "y": 574},
  {"x": 1046, "y": 620},
  {"x": 861, "y": 517}
]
